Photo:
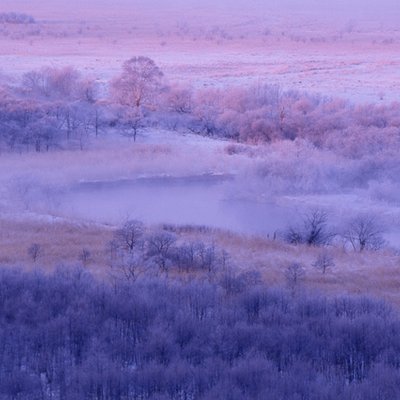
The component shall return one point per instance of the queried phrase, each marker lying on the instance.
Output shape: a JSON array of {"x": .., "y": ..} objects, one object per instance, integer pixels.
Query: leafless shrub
[
  {"x": 324, "y": 262},
  {"x": 313, "y": 230},
  {"x": 112, "y": 251},
  {"x": 185, "y": 256},
  {"x": 84, "y": 256},
  {"x": 129, "y": 267},
  {"x": 16, "y": 18},
  {"x": 34, "y": 251},
  {"x": 196, "y": 256},
  {"x": 251, "y": 278},
  {"x": 294, "y": 275},
  {"x": 187, "y": 228},
  {"x": 231, "y": 281}
]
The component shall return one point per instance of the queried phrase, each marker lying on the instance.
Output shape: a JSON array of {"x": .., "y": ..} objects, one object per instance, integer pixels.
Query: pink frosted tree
[{"x": 135, "y": 90}]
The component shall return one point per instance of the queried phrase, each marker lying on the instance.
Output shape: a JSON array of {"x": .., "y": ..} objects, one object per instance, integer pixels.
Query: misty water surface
[{"x": 204, "y": 200}]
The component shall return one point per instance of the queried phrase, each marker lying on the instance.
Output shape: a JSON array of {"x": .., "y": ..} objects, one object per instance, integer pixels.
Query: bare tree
[
  {"x": 316, "y": 229},
  {"x": 324, "y": 261},
  {"x": 211, "y": 258},
  {"x": 130, "y": 235},
  {"x": 132, "y": 119},
  {"x": 125, "y": 252},
  {"x": 159, "y": 246},
  {"x": 312, "y": 231},
  {"x": 364, "y": 233},
  {"x": 65, "y": 99},
  {"x": 129, "y": 267},
  {"x": 53, "y": 83}
]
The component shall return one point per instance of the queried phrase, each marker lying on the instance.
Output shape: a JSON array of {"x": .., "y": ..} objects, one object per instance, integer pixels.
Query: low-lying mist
[{"x": 245, "y": 159}]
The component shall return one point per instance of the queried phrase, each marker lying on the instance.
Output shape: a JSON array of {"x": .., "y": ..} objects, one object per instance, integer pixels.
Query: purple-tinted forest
[{"x": 67, "y": 336}]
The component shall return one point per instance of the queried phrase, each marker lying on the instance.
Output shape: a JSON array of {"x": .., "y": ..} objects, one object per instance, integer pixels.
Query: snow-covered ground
[
  {"x": 369, "y": 74},
  {"x": 320, "y": 49}
]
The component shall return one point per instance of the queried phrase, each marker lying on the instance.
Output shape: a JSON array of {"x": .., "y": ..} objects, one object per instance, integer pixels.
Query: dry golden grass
[
  {"x": 60, "y": 242},
  {"x": 375, "y": 274}
]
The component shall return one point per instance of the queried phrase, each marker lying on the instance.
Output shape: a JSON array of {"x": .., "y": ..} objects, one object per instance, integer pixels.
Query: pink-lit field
[{"x": 325, "y": 50}]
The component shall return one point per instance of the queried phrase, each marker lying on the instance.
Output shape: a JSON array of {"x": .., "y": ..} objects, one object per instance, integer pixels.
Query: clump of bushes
[{"x": 16, "y": 18}]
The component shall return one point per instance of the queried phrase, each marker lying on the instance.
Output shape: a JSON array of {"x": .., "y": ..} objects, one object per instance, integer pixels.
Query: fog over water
[{"x": 204, "y": 200}]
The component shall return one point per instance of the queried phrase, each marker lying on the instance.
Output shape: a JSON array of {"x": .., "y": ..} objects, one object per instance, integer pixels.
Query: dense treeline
[
  {"x": 68, "y": 336},
  {"x": 50, "y": 107},
  {"x": 265, "y": 114},
  {"x": 55, "y": 107}
]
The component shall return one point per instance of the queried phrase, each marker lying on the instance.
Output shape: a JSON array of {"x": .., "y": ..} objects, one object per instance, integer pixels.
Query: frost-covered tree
[
  {"x": 364, "y": 233},
  {"x": 129, "y": 236},
  {"x": 136, "y": 89},
  {"x": 138, "y": 83},
  {"x": 66, "y": 102}
]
